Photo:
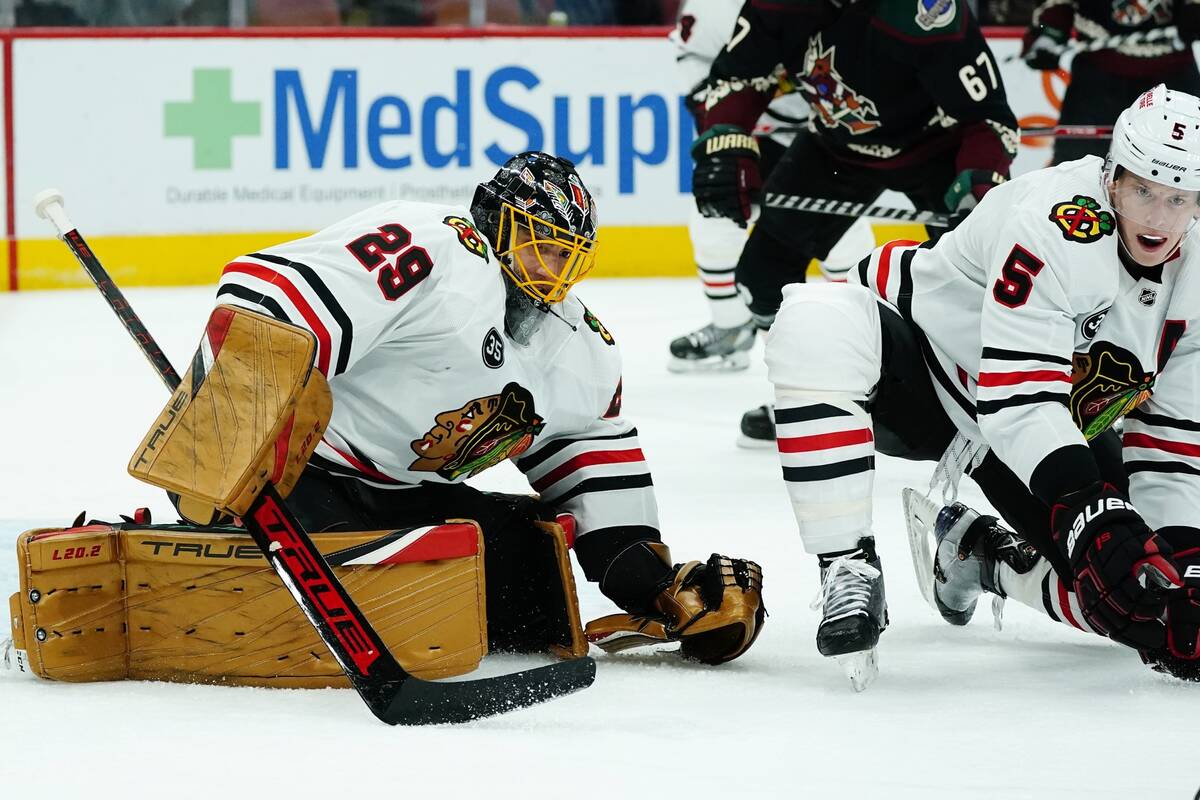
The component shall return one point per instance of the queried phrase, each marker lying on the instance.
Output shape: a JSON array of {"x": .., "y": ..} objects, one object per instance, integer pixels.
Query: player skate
[
  {"x": 713, "y": 349},
  {"x": 757, "y": 429},
  {"x": 853, "y": 611},
  {"x": 969, "y": 551}
]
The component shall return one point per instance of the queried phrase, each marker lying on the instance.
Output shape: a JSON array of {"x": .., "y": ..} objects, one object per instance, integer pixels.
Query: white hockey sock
[
  {"x": 727, "y": 308},
  {"x": 1042, "y": 589},
  {"x": 828, "y": 454}
]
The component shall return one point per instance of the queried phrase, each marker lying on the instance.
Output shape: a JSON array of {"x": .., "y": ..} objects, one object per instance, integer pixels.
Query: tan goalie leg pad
[
  {"x": 173, "y": 603},
  {"x": 250, "y": 410},
  {"x": 572, "y": 644}
]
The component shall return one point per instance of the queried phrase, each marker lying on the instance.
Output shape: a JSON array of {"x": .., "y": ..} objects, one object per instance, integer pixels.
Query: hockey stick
[
  {"x": 1071, "y": 131},
  {"x": 848, "y": 208},
  {"x": 392, "y": 694},
  {"x": 1169, "y": 34}
]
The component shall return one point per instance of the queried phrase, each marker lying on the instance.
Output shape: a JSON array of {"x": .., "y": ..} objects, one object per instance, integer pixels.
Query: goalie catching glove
[{"x": 713, "y": 609}]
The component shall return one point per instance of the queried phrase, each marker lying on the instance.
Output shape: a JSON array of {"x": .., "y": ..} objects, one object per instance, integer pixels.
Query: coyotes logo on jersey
[
  {"x": 832, "y": 101},
  {"x": 1107, "y": 382},
  {"x": 483, "y": 432}
]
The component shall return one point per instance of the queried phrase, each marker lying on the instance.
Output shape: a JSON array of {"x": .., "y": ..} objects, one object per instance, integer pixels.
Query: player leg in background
[
  {"x": 783, "y": 242},
  {"x": 848, "y": 375},
  {"x": 725, "y": 343},
  {"x": 1097, "y": 96},
  {"x": 978, "y": 554}
]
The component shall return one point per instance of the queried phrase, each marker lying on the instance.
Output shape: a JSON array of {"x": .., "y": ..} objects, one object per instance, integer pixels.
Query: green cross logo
[{"x": 212, "y": 118}]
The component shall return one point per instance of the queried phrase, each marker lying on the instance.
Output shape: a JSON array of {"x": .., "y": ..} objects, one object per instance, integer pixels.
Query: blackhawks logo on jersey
[
  {"x": 1107, "y": 382},
  {"x": 596, "y": 325},
  {"x": 465, "y": 441},
  {"x": 1081, "y": 219},
  {"x": 832, "y": 101},
  {"x": 468, "y": 237}
]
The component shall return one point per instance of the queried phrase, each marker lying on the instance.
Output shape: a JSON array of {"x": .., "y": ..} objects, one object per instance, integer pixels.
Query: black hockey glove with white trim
[
  {"x": 1181, "y": 656},
  {"x": 1120, "y": 567},
  {"x": 726, "y": 180},
  {"x": 1042, "y": 46}
]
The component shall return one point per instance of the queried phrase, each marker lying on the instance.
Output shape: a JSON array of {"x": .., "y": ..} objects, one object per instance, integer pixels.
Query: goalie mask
[
  {"x": 541, "y": 221},
  {"x": 1152, "y": 174}
]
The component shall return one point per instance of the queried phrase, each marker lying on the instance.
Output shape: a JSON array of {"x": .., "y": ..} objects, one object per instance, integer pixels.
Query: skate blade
[
  {"x": 920, "y": 515},
  {"x": 861, "y": 668},
  {"x": 747, "y": 443},
  {"x": 734, "y": 362}
]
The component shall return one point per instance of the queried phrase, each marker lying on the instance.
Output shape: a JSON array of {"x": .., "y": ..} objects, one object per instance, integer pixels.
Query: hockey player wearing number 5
[
  {"x": 452, "y": 341},
  {"x": 1069, "y": 299},
  {"x": 903, "y": 95}
]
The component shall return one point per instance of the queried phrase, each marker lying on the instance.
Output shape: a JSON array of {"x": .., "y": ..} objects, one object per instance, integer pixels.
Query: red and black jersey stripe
[{"x": 328, "y": 313}]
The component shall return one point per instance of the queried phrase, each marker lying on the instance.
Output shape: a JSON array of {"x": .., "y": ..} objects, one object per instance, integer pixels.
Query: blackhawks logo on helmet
[{"x": 1081, "y": 219}]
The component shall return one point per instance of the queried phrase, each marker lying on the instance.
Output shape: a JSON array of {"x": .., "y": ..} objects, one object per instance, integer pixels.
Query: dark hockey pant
[{"x": 784, "y": 241}]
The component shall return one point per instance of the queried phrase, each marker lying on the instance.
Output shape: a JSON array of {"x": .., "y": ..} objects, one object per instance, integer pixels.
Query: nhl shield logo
[
  {"x": 1082, "y": 220},
  {"x": 1147, "y": 297}
]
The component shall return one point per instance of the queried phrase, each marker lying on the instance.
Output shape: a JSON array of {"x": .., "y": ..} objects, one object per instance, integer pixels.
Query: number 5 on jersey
[
  {"x": 1018, "y": 272},
  {"x": 412, "y": 267}
]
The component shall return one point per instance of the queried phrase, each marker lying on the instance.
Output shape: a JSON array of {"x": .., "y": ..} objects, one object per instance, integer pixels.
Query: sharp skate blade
[
  {"x": 733, "y": 362},
  {"x": 920, "y": 515},
  {"x": 861, "y": 668}
]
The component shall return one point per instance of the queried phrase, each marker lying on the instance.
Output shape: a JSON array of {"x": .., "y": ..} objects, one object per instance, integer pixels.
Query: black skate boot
[
  {"x": 758, "y": 427},
  {"x": 713, "y": 349},
  {"x": 970, "y": 550},
  {"x": 853, "y": 611}
]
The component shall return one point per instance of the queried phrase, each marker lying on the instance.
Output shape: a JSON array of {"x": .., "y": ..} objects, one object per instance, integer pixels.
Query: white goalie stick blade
[
  {"x": 920, "y": 515},
  {"x": 861, "y": 668}
]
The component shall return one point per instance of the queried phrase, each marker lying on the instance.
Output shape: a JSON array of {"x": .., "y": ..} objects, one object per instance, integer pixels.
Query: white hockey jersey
[
  {"x": 1037, "y": 336},
  {"x": 703, "y": 29},
  {"x": 406, "y": 301}
]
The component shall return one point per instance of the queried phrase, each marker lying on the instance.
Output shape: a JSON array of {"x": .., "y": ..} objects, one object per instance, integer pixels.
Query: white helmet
[{"x": 1158, "y": 138}]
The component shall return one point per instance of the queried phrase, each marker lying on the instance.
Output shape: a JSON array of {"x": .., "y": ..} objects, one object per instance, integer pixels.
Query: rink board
[{"x": 233, "y": 141}]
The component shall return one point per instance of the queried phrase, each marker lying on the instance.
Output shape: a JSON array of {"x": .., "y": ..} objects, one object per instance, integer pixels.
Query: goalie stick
[{"x": 392, "y": 694}]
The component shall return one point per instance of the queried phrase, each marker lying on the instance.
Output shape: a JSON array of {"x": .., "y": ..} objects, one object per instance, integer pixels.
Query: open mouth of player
[{"x": 1150, "y": 243}]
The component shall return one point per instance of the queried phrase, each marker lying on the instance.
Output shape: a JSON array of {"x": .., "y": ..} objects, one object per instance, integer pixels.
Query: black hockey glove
[
  {"x": 1120, "y": 566},
  {"x": 969, "y": 188},
  {"x": 1181, "y": 656},
  {"x": 1042, "y": 46},
  {"x": 726, "y": 180}
]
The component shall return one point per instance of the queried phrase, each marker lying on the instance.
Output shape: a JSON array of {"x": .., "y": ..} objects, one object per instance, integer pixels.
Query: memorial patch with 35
[{"x": 1107, "y": 382}]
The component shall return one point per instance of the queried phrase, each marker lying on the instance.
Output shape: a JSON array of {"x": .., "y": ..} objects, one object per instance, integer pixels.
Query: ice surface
[{"x": 1038, "y": 710}]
